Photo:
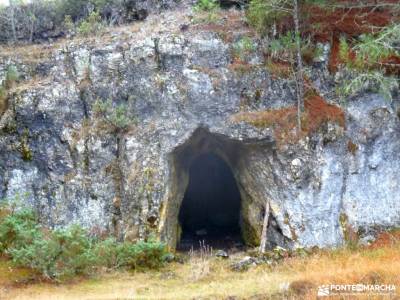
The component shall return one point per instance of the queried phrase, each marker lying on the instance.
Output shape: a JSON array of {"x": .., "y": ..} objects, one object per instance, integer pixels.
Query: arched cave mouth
[
  {"x": 193, "y": 191},
  {"x": 210, "y": 209}
]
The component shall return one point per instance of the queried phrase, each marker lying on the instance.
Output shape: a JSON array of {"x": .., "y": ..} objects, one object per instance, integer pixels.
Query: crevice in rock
[
  {"x": 275, "y": 236},
  {"x": 158, "y": 58}
]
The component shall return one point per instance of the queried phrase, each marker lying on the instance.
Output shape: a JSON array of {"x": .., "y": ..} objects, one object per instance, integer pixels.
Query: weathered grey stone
[
  {"x": 222, "y": 254},
  {"x": 244, "y": 264},
  {"x": 183, "y": 91}
]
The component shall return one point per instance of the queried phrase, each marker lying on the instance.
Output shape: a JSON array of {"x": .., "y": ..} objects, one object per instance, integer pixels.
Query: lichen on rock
[{"x": 183, "y": 87}]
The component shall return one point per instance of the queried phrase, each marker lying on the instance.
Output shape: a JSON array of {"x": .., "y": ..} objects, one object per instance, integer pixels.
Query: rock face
[{"x": 180, "y": 89}]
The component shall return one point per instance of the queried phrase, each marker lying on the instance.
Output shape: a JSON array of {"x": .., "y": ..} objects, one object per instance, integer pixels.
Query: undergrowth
[{"x": 63, "y": 253}]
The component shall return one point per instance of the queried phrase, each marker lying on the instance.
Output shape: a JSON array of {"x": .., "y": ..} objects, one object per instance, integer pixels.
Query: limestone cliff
[{"x": 181, "y": 88}]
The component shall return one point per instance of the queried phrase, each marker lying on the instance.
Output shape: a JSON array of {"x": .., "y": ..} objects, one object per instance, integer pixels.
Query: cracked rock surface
[{"x": 182, "y": 87}]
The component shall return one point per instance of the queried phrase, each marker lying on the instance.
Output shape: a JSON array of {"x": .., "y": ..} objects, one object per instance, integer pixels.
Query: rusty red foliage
[
  {"x": 320, "y": 112},
  {"x": 334, "y": 57},
  {"x": 323, "y": 23},
  {"x": 392, "y": 65},
  {"x": 386, "y": 239},
  {"x": 284, "y": 121},
  {"x": 352, "y": 19}
]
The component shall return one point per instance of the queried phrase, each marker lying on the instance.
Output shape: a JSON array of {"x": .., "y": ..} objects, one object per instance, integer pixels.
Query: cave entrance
[
  {"x": 210, "y": 209},
  {"x": 210, "y": 190}
]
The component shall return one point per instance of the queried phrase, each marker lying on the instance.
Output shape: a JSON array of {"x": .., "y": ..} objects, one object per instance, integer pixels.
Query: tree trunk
[
  {"x": 263, "y": 243},
  {"x": 12, "y": 20},
  {"x": 299, "y": 73}
]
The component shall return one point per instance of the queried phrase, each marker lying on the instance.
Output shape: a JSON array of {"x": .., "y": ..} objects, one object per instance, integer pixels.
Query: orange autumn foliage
[{"x": 284, "y": 121}]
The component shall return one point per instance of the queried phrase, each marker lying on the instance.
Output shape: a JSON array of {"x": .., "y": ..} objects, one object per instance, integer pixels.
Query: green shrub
[
  {"x": 118, "y": 117},
  {"x": 18, "y": 229},
  {"x": 344, "y": 50},
  {"x": 262, "y": 14},
  {"x": 74, "y": 8},
  {"x": 145, "y": 255},
  {"x": 40, "y": 255},
  {"x": 63, "y": 253},
  {"x": 69, "y": 24},
  {"x": 107, "y": 252},
  {"x": 243, "y": 47},
  {"x": 92, "y": 25},
  {"x": 369, "y": 70},
  {"x": 141, "y": 255},
  {"x": 206, "y": 5},
  {"x": 284, "y": 48},
  {"x": 12, "y": 75},
  {"x": 374, "y": 81},
  {"x": 210, "y": 7},
  {"x": 100, "y": 4}
]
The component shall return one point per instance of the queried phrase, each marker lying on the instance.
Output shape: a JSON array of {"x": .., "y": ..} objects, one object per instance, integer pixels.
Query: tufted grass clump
[
  {"x": 12, "y": 76},
  {"x": 63, "y": 253},
  {"x": 114, "y": 117},
  {"x": 207, "y": 12},
  {"x": 243, "y": 47},
  {"x": 261, "y": 14}
]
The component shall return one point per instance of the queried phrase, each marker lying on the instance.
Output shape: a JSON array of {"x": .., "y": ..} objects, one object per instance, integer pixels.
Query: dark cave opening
[{"x": 210, "y": 210}]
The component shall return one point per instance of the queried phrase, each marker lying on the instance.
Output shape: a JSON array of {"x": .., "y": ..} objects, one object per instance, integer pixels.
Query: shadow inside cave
[{"x": 210, "y": 210}]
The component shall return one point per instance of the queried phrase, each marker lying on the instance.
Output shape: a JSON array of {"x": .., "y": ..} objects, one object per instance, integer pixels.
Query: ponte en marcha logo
[{"x": 356, "y": 289}]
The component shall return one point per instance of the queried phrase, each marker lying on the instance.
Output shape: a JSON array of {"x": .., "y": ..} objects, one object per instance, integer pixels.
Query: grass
[
  {"x": 284, "y": 120},
  {"x": 378, "y": 263},
  {"x": 13, "y": 276}
]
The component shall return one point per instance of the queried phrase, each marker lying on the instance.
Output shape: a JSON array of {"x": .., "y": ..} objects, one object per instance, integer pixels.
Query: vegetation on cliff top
[{"x": 363, "y": 37}]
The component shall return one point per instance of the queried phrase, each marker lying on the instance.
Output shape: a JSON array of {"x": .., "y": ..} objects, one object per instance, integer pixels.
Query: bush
[
  {"x": 370, "y": 67},
  {"x": 91, "y": 25},
  {"x": 12, "y": 76},
  {"x": 243, "y": 47},
  {"x": 146, "y": 255},
  {"x": 284, "y": 48},
  {"x": 140, "y": 255},
  {"x": 69, "y": 24},
  {"x": 63, "y": 253},
  {"x": 74, "y": 8},
  {"x": 206, "y": 5},
  {"x": 262, "y": 14},
  {"x": 18, "y": 229},
  {"x": 118, "y": 117}
]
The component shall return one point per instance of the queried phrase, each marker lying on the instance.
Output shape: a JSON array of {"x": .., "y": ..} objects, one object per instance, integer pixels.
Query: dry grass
[
  {"x": 279, "y": 69},
  {"x": 33, "y": 53},
  {"x": 376, "y": 264},
  {"x": 199, "y": 262},
  {"x": 324, "y": 23},
  {"x": 174, "y": 282},
  {"x": 3, "y": 100},
  {"x": 242, "y": 67},
  {"x": 30, "y": 85},
  {"x": 284, "y": 121},
  {"x": 229, "y": 24}
]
